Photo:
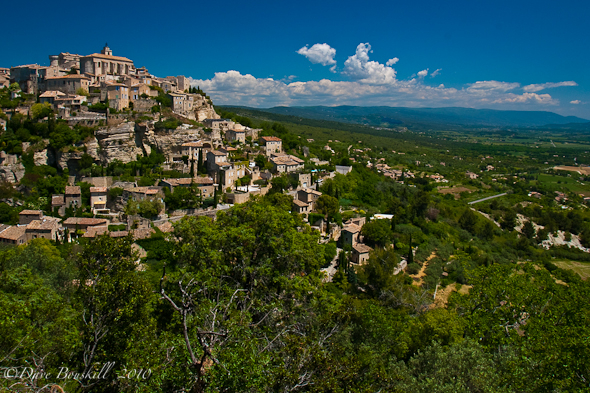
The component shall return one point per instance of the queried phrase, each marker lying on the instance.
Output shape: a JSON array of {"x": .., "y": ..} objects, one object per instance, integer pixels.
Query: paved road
[
  {"x": 490, "y": 197},
  {"x": 331, "y": 270}
]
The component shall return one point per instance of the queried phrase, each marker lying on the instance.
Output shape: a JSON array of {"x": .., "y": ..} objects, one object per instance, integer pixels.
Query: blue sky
[{"x": 521, "y": 55}]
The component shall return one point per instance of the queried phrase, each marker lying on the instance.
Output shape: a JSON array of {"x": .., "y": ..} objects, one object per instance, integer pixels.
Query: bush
[{"x": 413, "y": 268}]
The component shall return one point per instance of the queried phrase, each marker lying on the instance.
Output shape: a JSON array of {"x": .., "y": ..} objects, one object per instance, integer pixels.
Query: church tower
[{"x": 106, "y": 50}]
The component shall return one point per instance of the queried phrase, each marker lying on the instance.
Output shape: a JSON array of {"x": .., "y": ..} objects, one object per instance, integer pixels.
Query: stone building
[
  {"x": 117, "y": 94},
  {"x": 215, "y": 159},
  {"x": 27, "y": 216},
  {"x": 50, "y": 96},
  {"x": 68, "y": 84},
  {"x": 98, "y": 199},
  {"x": 31, "y": 77},
  {"x": 73, "y": 197},
  {"x": 104, "y": 63},
  {"x": 183, "y": 104},
  {"x": 286, "y": 163},
  {"x": 271, "y": 144},
  {"x": 236, "y": 135}
]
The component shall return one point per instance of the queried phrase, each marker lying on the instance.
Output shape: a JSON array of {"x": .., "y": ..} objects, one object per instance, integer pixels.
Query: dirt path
[
  {"x": 442, "y": 295},
  {"x": 418, "y": 276}
]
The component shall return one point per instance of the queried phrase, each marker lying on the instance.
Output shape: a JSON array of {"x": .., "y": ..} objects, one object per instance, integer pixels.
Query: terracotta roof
[
  {"x": 93, "y": 231},
  {"x": 74, "y": 76},
  {"x": 203, "y": 180},
  {"x": 217, "y": 153},
  {"x": 70, "y": 190},
  {"x": 85, "y": 221},
  {"x": 166, "y": 227},
  {"x": 57, "y": 200},
  {"x": 98, "y": 189},
  {"x": 352, "y": 228},
  {"x": 13, "y": 233},
  {"x": 270, "y": 139},
  {"x": 118, "y": 233},
  {"x": 300, "y": 203},
  {"x": 311, "y": 191},
  {"x": 287, "y": 160},
  {"x": 42, "y": 225},
  {"x": 51, "y": 93},
  {"x": 193, "y": 144},
  {"x": 31, "y": 212},
  {"x": 108, "y": 57},
  {"x": 361, "y": 248},
  {"x": 143, "y": 233}
]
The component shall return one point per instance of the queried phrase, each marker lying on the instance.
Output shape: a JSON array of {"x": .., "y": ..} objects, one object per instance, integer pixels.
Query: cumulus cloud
[
  {"x": 435, "y": 73},
  {"x": 391, "y": 62},
  {"x": 319, "y": 54},
  {"x": 542, "y": 86},
  {"x": 423, "y": 73},
  {"x": 545, "y": 99},
  {"x": 234, "y": 88},
  {"x": 575, "y": 102},
  {"x": 359, "y": 68}
]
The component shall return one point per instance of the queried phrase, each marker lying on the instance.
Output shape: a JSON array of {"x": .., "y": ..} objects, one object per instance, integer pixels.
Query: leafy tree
[
  {"x": 468, "y": 220},
  {"x": 377, "y": 233},
  {"x": 40, "y": 111},
  {"x": 327, "y": 205}
]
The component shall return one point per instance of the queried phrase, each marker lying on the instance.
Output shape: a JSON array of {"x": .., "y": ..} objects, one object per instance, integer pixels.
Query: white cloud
[
  {"x": 359, "y": 68},
  {"x": 391, "y": 62},
  {"x": 542, "y": 86},
  {"x": 319, "y": 54},
  {"x": 575, "y": 102},
  {"x": 233, "y": 88},
  {"x": 486, "y": 86},
  {"x": 527, "y": 97},
  {"x": 435, "y": 73},
  {"x": 423, "y": 73}
]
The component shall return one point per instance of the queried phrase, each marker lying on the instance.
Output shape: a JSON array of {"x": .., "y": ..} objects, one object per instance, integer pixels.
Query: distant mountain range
[{"x": 384, "y": 116}]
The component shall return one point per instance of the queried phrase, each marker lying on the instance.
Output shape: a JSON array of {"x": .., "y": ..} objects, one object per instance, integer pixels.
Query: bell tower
[{"x": 106, "y": 50}]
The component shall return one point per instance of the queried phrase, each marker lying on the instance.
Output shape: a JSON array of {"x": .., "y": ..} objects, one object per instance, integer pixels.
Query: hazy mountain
[{"x": 428, "y": 117}]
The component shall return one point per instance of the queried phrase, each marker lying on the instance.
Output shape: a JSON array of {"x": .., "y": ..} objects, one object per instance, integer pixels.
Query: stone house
[
  {"x": 68, "y": 84},
  {"x": 219, "y": 125},
  {"x": 25, "y": 217},
  {"x": 309, "y": 196},
  {"x": 83, "y": 223},
  {"x": 117, "y": 94},
  {"x": 303, "y": 179},
  {"x": 228, "y": 174},
  {"x": 137, "y": 90},
  {"x": 172, "y": 183},
  {"x": 286, "y": 163},
  {"x": 182, "y": 103},
  {"x": 360, "y": 253},
  {"x": 58, "y": 202},
  {"x": 271, "y": 144},
  {"x": 74, "y": 102},
  {"x": 98, "y": 200},
  {"x": 350, "y": 234},
  {"x": 73, "y": 197},
  {"x": 235, "y": 135},
  {"x": 15, "y": 235},
  {"x": 301, "y": 207},
  {"x": 192, "y": 150},
  {"x": 216, "y": 159},
  {"x": 47, "y": 227},
  {"x": 50, "y": 96},
  {"x": 32, "y": 77}
]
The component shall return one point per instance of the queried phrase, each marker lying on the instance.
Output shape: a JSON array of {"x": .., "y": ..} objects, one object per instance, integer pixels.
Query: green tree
[{"x": 377, "y": 233}]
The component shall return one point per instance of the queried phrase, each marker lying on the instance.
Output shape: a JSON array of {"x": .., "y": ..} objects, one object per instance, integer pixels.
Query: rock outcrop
[{"x": 118, "y": 143}]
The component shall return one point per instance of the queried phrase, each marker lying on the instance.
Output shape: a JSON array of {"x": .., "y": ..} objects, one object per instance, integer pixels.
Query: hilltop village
[{"x": 199, "y": 163}]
